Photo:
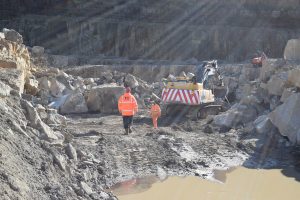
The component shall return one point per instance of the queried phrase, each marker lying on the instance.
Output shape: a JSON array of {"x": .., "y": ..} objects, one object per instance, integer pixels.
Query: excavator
[{"x": 193, "y": 96}]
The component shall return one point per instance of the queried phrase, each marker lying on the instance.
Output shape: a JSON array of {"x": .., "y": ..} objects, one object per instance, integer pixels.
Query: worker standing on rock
[
  {"x": 155, "y": 113},
  {"x": 128, "y": 106}
]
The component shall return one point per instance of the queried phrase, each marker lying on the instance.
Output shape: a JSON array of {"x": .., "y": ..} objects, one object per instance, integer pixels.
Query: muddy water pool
[{"x": 234, "y": 184}]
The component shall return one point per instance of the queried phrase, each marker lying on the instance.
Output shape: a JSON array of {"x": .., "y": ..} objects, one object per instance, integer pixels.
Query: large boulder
[
  {"x": 228, "y": 119},
  {"x": 56, "y": 88},
  {"x": 292, "y": 50},
  {"x": 15, "y": 63},
  {"x": 237, "y": 115},
  {"x": 277, "y": 83},
  {"x": 104, "y": 98},
  {"x": 131, "y": 81},
  {"x": 293, "y": 77},
  {"x": 65, "y": 79},
  {"x": 286, "y": 118},
  {"x": 31, "y": 113},
  {"x": 269, "y": 67},
  {"x": 74, "y": 103},
  {"x": 263, "y": 124},
  {"x": 13, "y": 36},
  {"x": 46, "y": 132}
]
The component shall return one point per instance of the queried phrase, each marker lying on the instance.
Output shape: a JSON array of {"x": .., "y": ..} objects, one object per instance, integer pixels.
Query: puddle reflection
[
  {"x": 134, "y": 186},
  {"x": 239, "y": 184}
]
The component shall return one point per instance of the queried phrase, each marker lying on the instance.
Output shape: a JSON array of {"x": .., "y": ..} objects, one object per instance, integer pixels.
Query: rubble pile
[
  {"x": 37, "y": 159},
  {"x": 266, "y": 97}
]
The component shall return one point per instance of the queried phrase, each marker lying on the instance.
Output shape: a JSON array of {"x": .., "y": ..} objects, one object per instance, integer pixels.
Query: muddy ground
[{"x": 178, "y": 147}]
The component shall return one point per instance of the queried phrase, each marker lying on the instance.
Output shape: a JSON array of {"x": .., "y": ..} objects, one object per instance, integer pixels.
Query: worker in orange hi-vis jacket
[
  {"x": 128, "y": 107},
  {"x": 155, "y": 113}
]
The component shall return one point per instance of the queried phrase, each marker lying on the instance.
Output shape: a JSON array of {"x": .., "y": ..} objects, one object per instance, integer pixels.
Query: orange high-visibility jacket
[
  {"x": 127, "y": 105},
  {"x": 155, "y": 111}
]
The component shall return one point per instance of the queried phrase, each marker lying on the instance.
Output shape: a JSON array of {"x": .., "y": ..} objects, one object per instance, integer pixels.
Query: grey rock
[
  {"x": 4, "y": 90},
  {"x": 286, "y": 118},
  {"x": 104, "y": 98},
  {"x": 13, "y": 77},
  {"x": 13, "y": 36},
  {"x": 104, "y": 195},
  {"x": 71, "y": 151},
  {"x": 38, "y": 51},
  {"x": 237, "y": 115},
  {"x": 263, "y": 124},
  {"x": 86, "y": 188},
  {"x": 44, "y": 83},
  {"x": 287, "y": 92},
  {"x": 36, "y": 122},
  {"x": 31, "y": 86},
  {"x": 274, "y": 102},
  {"x": 17, "y": 185},
  {"x": 208, "y": 129},
  {"x": 59, "y": 160},
  {"x": 31, "y": 113},
  {"x": 131, "y": 81},
  {"x": 161, "y": 173},
  {"x": 277, "y": 83},
  {"x": 88, "y": 81},
  {"x": 56, "y": 88},
  {"x": 228, "y": 119},
  {"x": 269, "y": 67},
  {"x": 55, "y": 119},
  {"x": 65, "y": 79},
  {"x": 46, "y": 132},
  {"x": 74, "y": 103},
  {"x": 293, "y": 77},
  {"x": 292, "y": 50}
]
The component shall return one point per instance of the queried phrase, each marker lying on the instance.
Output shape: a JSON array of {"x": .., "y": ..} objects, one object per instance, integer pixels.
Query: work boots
[{"x": 127, "y": 131}]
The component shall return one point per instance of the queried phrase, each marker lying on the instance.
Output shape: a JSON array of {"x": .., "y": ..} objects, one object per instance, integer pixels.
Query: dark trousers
[{"x": 127, "y": 121}]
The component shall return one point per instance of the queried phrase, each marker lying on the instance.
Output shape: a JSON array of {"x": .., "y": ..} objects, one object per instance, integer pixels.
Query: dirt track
[{"x": 172, "y": 148}]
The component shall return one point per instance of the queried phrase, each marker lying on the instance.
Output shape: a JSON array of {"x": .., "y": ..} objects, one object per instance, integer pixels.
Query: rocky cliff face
[{"x": 161, "y": 29}]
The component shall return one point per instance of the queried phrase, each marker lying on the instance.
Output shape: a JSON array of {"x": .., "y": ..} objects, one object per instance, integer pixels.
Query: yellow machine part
[{"x": 184, "y": 86}]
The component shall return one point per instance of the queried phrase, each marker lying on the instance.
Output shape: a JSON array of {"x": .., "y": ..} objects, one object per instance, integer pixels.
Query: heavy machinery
[{"x": 185, "y": 95}]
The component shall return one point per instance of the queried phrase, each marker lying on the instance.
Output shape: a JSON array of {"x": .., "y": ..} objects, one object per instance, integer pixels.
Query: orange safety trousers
[{"x": 155, "y": 114}]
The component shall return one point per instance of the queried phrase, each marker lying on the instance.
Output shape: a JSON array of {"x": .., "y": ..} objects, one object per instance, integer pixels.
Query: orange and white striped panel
[{"x": 190, "y": 97}]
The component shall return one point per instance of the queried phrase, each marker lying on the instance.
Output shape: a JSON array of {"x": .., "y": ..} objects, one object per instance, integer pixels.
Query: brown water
[{"x": 240, "y": 184}]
